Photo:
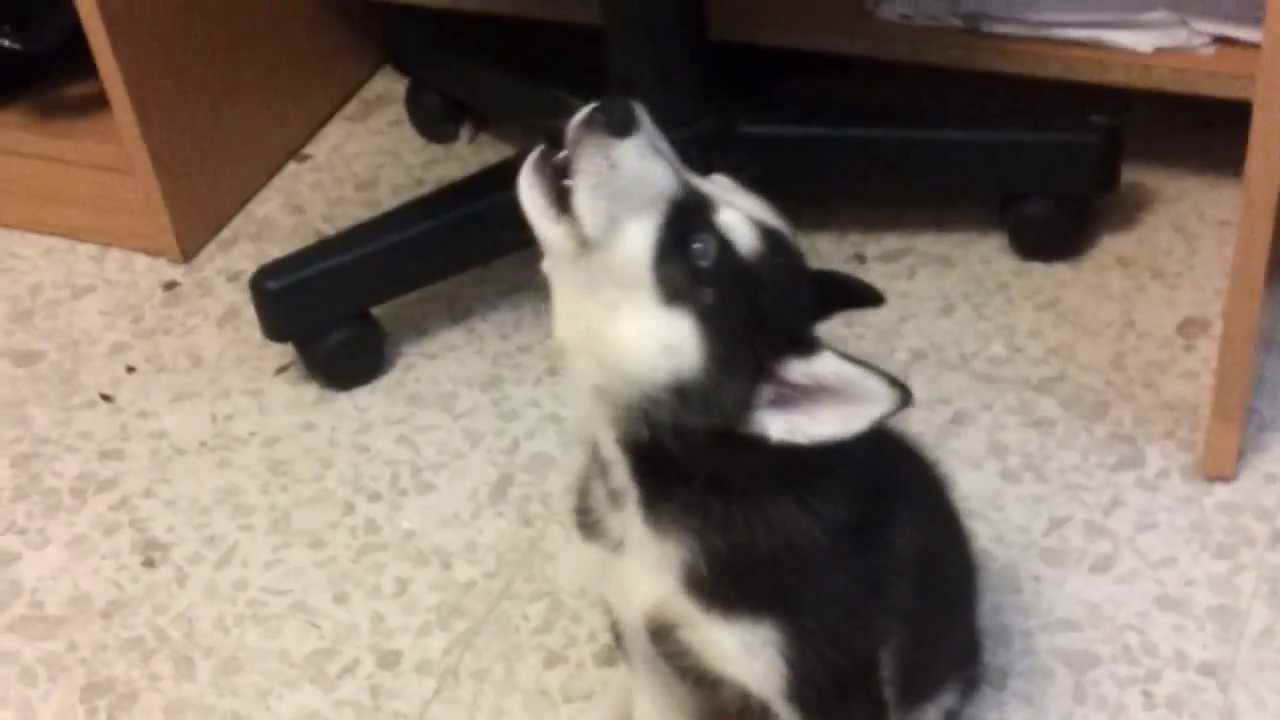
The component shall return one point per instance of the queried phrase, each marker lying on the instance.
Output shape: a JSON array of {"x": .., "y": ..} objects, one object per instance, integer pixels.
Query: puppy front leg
[
  {"x": 613, "y": 702},
  {"x": 658, "y": 694},
  {"x": 647, "y": 688}
]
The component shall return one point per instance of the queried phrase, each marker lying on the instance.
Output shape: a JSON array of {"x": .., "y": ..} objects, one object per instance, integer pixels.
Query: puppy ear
[
  {"x": 835, "y": 292},
  {"x": 824, "y": 397}
]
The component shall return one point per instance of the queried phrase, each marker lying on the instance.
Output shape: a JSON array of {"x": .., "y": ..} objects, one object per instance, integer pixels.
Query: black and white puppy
[{"x": 770, "y": 548}]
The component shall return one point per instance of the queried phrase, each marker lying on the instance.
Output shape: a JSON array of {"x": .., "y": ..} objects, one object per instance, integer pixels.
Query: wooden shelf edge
[
  {"x": 844, "y": 27},
  {"x": 71, "y": 123},
  {"x": 1227, "y": 73},
  {"x": 97, "y": 205}
]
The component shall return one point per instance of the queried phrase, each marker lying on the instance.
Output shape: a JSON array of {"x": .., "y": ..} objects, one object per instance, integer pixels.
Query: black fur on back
[{"x": 853, "y": 549}]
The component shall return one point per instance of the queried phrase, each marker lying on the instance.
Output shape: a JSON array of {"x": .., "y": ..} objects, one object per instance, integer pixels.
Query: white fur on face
[
  {"x": 620, "y": 337},
  {"x": 741, "y": 205},
  {"x": 740, "y": 230},
  {"x": 642, "y": 174},
  {"x": 619, "y": 179}
]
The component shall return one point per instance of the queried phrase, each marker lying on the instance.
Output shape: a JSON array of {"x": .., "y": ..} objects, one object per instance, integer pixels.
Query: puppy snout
[{"x": 616, "y": 116}]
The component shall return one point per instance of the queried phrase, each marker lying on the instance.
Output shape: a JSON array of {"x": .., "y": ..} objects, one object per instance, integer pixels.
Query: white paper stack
[{"x": 1140, "y": 25}]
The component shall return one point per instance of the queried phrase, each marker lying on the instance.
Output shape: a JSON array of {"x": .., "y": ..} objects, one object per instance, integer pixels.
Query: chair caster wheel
[
  {"x": 1048, "y": 229},
  {"x": 351, "y": 354},
  {"x": 435, "y": 117}
]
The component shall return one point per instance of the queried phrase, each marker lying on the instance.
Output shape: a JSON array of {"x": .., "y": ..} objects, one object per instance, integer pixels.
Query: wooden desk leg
[{"x": 1246, "y": 287}]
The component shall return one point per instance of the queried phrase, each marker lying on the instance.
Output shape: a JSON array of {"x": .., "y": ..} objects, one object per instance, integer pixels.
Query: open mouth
[{"x": 561, "y": 180}]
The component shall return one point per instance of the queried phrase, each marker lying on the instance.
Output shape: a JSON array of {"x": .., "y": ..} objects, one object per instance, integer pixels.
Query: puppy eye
[{"x": 704, "y": 247}]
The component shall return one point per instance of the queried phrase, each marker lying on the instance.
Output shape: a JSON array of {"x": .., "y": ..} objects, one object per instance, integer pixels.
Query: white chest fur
[
  {"x": 640, "y": 573},
  {"x": 636, "y": 569}
]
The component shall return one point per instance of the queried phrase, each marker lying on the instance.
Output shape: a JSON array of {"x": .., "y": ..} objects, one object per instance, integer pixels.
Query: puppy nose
[{"x": 617, "y": 116}]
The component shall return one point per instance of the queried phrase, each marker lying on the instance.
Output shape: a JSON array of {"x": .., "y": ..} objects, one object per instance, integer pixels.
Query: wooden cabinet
[{"x": 196, "y": 105}]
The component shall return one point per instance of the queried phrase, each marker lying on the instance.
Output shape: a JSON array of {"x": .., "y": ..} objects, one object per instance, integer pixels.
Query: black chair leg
[
  {"x": 1048, "y": 180},
  {"x": 318, "y": 298}
]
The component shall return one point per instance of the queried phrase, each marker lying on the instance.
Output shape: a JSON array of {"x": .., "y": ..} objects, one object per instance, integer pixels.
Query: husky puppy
[{"x": 772, "y": 549}]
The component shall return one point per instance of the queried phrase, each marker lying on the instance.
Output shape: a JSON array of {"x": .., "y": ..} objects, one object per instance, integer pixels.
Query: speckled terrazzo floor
[{"x": 191, "y": 529}]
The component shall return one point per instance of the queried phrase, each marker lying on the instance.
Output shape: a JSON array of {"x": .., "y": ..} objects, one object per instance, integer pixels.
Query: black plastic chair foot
[
  {"x": 348, "y": 355},
  {"x": 1048, "y": 228},
  {"x": 437, "y": 118}
]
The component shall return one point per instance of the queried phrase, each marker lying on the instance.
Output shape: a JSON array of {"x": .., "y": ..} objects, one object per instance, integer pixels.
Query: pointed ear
[
  {"x": 824, "y": 397},
  {"x": 835, "y": 292}
]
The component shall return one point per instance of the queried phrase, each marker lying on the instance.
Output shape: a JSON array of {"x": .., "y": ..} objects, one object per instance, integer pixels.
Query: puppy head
[{"x": 682, "y": 296}]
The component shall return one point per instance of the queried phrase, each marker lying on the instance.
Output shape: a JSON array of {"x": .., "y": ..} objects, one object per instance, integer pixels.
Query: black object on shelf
[
  {"x": 36, "y": 27},
  {"x": 1049, "y": 171},
  {"x": 38, "y": 39}
]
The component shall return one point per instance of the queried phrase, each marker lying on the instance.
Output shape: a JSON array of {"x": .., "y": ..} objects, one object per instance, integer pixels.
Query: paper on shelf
[
  {"x": 1235, "y": 19},
  {"x": 1139, "y": 25}
]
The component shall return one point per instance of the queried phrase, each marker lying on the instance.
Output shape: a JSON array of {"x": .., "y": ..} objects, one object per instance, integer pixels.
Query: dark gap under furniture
[{"x": 1049, "y": 171}]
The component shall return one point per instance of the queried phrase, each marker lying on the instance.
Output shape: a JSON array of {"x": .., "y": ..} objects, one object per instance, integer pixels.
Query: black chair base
[{"x": 1049, "y": 175}]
